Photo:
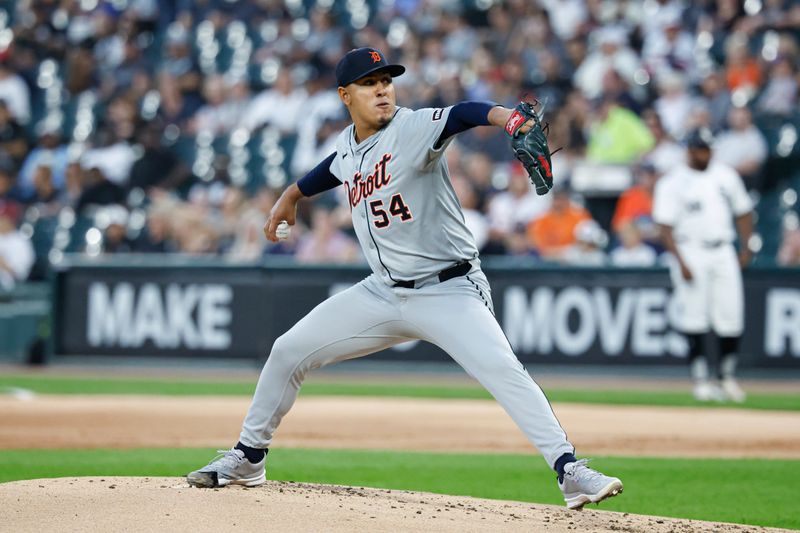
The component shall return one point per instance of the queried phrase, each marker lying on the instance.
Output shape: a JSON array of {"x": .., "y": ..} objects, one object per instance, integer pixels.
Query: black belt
[
  {"x": 461, "y": 269},
  {"x": 706, "y": 244}
]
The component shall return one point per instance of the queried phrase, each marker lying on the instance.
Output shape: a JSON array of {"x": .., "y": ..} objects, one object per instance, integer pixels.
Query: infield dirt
[
  {"x": 168, "y": 504},
  {"x": 392, "y": 424}
]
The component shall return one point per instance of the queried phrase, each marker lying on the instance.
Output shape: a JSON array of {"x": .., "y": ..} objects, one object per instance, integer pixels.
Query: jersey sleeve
[
  {"x": 422, "y": 130},
  {"x": 335, "y": 168},
  {"x": 736, "y": 192},
  {"x": 665, "y": 203}
]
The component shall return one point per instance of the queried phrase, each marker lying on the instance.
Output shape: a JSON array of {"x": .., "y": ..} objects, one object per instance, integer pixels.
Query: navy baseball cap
[
  {"x": 699, "y": 138},
  {"x": 361, "y": 62}
]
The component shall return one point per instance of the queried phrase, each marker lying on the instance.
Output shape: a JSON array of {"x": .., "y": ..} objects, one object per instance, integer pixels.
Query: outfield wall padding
[{"x": 167, "y": 307}]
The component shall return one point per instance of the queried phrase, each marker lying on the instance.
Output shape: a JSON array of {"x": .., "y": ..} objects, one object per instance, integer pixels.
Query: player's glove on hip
[{"x": 531, "y": 148}]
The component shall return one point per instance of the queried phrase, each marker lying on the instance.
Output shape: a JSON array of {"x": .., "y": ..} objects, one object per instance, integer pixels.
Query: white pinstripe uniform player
[
  {"x": 427, "y": 282},
  {"x": 695, "y": 206}
]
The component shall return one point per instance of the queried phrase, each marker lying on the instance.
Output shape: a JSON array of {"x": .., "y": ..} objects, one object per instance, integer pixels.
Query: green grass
[
  {"x": 71, "y": 385},
  {"x": 758, "y": 492}
]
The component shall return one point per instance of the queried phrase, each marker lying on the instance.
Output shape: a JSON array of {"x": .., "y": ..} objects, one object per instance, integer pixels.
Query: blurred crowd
[{"x": 154, "y": 126}]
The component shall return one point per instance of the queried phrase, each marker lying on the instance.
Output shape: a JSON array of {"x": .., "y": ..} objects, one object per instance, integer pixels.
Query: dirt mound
[{"x": 168, "y": 504}]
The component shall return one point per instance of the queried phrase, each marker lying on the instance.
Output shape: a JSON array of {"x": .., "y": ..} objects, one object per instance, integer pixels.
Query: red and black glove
[{"x": 531, "y": 148}]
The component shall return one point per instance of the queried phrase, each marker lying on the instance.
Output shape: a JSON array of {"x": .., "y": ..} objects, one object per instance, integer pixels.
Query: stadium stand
[{"x": 94, "y": 75}]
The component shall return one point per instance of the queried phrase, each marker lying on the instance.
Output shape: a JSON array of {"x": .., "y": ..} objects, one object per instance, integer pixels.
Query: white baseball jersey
[
  {"x": 701, "y": 205},
  {"x": 405, "y": 212}
]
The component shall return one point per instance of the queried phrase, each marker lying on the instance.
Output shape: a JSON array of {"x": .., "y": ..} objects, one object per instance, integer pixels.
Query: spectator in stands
[
  {"x": 109, "y": 45},
  {"x": 249, "y": 243},
  {"x": 126, "y": 72},
  {"x": 617, "y": 135},
  {"x": 780, "y": 94},
  {"x": 73, "y": 184},
  {"x": 742, "y": 71},
  {"x": 49, "y": 152},
  {"x": 179, "y": 64},
  {"x": 112, "y": 154},
  {"x": 208, "y": 118},
  {"x": 479, "y": 170},
  {"x": 637, "y": 201},
  {"x": 491, "y": 142},
  {"x": 611, "y": 51},
  {"x": 632, "y": 251},
  {"x": 13, "y": 140},
  {"x": 14, "y": 91},
  {"x": 716, "y": 98},
  {"x": 789, "y": 252},
  {"x": 315, "y": 133},
  {"x": 667, "y": 153},
  {"x": 176, "y": 107},
  {"x": 550, "y": 234},
  {"x": 80, "y": 72},
  {"x": 193, "y": 231},
  {"x": 325, "y": 243},
  {"x": 475, "y": 220},
  {"x": 510, "y": 211},
  {"x": 588, "y": 248},
  {"x": 669, "y": 47},
  {"x": 229, "y": 215},
  {"x": 16, "y": 252},
  {"x": 156, "y": 237},
  {"x": 325, "y": 37},
  {"x": 616, "y": 89},
  {"x": 113, "y": 222},
  {"x": 45, "y": 196},
  {"x": 674, "y": 104},
  {"x": 98, "y": 191},
  {"x": 9, "y": 199},
  {"x": 158, "y": 166},
  {"x": 570, "y": 125},
  {"x": 742, "y": 146},
  {"x": 281, "y": 106},
  {"x": 551, "y": 82}
]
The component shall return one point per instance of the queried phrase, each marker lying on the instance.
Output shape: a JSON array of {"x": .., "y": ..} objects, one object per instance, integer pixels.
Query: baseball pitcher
[{"x": 427, "y": 281}]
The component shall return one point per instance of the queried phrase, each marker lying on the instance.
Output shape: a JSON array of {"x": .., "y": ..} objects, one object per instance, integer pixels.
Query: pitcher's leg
[
  {"x": 350, "y": 324},
  {"x": 464, "y": 327}
]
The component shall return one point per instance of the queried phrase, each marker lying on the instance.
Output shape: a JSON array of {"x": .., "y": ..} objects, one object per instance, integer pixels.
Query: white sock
[{"x": 699, "y": 369}]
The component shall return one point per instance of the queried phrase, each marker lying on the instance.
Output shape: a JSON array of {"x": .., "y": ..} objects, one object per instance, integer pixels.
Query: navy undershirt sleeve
[
  {"x": 463, "y": 116},
  {"x": 319, "y": 179}
]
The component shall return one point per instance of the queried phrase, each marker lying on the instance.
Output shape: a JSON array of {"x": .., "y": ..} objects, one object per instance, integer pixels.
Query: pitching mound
[{"x": 168, "y": 504}]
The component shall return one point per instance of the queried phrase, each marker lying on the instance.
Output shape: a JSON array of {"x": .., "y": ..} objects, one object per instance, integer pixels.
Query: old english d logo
[{"x": 376, "y": 57}]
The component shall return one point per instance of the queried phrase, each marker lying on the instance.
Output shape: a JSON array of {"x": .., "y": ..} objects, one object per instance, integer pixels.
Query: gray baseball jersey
[{"x": 405, "y": 212}]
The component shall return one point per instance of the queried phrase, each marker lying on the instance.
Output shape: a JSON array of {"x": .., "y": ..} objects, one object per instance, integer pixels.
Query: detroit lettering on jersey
[
  {"x": 364, "y": 188},
  {"x": 399, "y": 175}
]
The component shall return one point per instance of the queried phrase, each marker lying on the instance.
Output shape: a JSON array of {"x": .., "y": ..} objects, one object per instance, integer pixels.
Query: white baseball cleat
[
  {"x": 708, "y": 391},
  {"x": 733, "y": 391},
  {"x": 582, "y": 485},
  {"x": 230, "y": 468}
]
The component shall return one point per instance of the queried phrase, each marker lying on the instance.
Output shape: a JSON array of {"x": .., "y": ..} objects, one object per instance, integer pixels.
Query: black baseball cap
[
  {"x": 699, "y": 138},
  {"x": 361, "y": 62}
]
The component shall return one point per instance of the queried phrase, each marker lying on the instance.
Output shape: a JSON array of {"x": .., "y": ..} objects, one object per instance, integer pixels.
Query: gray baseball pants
[{"x": 455, "y": 315}]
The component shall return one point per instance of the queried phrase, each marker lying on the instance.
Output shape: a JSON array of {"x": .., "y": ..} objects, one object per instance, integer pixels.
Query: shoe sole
[
  {"x": 210, "y": 480},
  {"x": 609, "y": 491}
]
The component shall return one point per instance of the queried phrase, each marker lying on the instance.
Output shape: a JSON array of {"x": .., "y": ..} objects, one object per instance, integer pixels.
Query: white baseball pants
[
  {"x": 455, "y": 315},
  {"x": 714, "y": 298}
]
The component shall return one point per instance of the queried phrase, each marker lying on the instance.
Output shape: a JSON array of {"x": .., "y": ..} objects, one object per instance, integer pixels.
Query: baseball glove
[{"x": 531, "y": 148}]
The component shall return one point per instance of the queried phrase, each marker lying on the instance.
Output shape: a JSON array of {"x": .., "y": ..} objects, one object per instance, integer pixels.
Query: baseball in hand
[{"x": 283, "y": 230}]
